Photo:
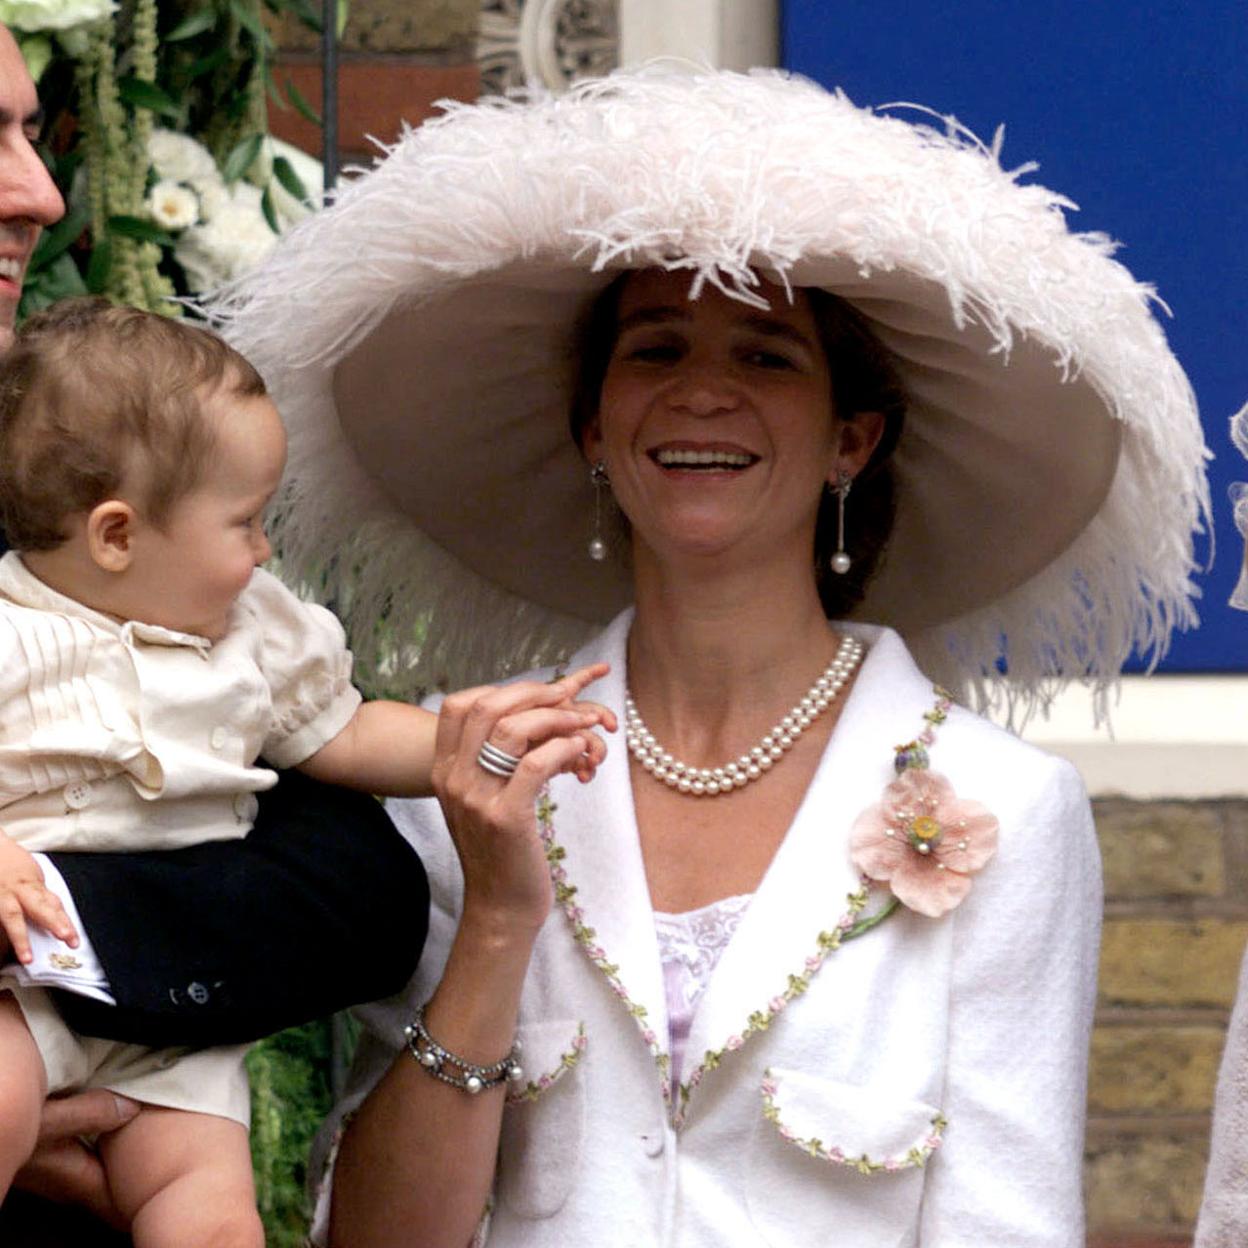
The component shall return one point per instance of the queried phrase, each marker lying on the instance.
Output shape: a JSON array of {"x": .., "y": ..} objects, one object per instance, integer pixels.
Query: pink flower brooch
[{"x": 923, "y": 840}]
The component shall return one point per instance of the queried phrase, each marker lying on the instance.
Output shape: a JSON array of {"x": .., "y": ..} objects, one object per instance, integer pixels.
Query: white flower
[
  {"x": 32, "y": 15},
  {"x": 233, "y": 242},
  {"x": 173, "y": 207},
  {"x": 178, "y": 158},
  {"x": 213, "y": 196}
]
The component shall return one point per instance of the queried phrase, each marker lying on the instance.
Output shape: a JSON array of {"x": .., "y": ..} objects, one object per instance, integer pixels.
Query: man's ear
[{"x": 110, "y": 534}]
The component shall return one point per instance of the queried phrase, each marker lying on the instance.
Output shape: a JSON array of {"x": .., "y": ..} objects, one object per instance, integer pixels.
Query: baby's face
[{"x": 187, "y": 575}]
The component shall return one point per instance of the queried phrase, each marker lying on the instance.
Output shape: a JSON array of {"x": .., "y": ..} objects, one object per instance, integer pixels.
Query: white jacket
[{"x": 980, "y": 1018}]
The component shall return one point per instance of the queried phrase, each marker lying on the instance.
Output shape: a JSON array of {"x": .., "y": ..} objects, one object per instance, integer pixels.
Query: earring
[
  {"x": 840, "y": 563},
  {"x": 598, "y": 475}
]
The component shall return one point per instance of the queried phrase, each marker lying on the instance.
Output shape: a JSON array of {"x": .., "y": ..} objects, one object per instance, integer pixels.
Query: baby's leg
[
  {"x": 23, "y": 1085},
  {"x": 184, "y": 1180}
]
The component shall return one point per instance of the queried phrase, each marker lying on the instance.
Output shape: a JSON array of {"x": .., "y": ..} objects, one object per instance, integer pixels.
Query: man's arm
[{"x": 323, "y": 905}]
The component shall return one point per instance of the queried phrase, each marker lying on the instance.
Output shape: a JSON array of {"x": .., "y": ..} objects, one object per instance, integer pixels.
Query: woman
[{"x": 734, "y": 285}]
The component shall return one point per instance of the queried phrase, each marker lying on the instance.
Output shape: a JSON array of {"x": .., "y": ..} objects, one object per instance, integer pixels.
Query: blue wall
[{"x": 1139, "y": 113}]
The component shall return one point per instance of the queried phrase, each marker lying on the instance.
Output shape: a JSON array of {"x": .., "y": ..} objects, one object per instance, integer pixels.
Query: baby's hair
[{"x": 92, "y": 394}]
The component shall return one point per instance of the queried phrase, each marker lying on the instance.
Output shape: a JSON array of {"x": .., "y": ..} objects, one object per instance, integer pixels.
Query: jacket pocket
[
  {"x": 540, "y": 1145},
  {"x": 835, "y": 1162}
]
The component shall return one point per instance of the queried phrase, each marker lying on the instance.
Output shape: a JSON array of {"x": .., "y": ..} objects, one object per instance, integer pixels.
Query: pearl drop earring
[
  {"x": 598, "y": 475},
  {"x": 840, "y": 563}
]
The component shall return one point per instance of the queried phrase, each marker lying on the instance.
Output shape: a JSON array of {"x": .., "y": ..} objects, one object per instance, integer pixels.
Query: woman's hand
[
  {"x": 491, "y": 818},
  {"x": 24, "y": 897}
]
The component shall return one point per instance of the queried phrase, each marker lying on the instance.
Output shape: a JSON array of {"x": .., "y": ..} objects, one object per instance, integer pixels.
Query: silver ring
[{"x": 497, "y": 762}]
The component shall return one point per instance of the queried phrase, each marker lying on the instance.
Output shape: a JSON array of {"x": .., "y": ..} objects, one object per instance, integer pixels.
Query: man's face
[{"x": 29, "y": 199}]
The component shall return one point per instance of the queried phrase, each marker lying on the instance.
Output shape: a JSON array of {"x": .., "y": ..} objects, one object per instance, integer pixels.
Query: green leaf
[
  {"x": 206, "y": 64},
  {"x": 56, "y": 241},
  {"x": 270, "y": 89},
  {"x": 140, "y": 229},
  {"x": 193, "y": 24},
  {"x": 344, "y": 12},
  {"x": 270, "y": 213},
  {"x": 100, "y": 266},
  {"x": 241, "y": 158},
  {"x": 290, "y": 181},
  {"x": 139, "y": 93},
  {"x": 302, "y": 107},
  {"x": 249, "y": 20}
]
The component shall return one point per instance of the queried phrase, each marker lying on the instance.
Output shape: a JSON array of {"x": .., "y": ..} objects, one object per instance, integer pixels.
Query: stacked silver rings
[{"x": 497, "y": 762}]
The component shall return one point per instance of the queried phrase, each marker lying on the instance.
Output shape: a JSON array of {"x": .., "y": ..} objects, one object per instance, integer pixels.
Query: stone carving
[{"x": 551, "y": 42}]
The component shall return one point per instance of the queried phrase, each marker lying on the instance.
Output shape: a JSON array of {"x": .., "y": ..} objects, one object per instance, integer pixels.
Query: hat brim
[
  {"x": 1051, "y": 470},
  {"x": 1002, "y": 465}
]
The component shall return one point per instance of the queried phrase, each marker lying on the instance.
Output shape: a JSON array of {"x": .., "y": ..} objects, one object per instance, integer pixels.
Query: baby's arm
[
  {"x": 388, "y": 748},
  {"x": 23, "y": 896}
]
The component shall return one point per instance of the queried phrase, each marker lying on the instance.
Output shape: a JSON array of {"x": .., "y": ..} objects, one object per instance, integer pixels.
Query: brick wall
[
  {"x": 1176, "y": 921},
  {"x": 396, "y": 58}
]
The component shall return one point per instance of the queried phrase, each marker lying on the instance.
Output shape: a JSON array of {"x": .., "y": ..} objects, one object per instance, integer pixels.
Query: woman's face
[{"x": 716, "y": 421}]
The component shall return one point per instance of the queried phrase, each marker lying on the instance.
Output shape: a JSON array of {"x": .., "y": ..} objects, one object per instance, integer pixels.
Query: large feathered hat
[{"x": 418, "y": 338}]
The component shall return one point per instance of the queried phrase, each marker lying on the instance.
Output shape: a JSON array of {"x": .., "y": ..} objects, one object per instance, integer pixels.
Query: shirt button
[
  {"x": 219, "y": 738},
  {"x": 78, "y": 795},
  {"x": 652, "y": 1143},
  {"x": 197, "y": 992}
]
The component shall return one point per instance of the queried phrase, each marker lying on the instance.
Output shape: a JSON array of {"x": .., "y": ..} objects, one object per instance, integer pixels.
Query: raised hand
[{"x": 547, "y": 731}]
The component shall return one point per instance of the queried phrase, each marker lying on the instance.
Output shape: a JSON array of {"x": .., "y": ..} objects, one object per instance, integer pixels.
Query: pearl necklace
[{"x": 709, "y": 781}]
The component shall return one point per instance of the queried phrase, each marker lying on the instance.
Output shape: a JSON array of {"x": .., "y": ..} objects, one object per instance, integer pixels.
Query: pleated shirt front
[{"x": 120, "y": 735}]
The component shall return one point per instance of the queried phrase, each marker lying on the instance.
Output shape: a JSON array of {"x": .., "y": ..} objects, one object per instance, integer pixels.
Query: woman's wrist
[{"x": 492, "y": 929}]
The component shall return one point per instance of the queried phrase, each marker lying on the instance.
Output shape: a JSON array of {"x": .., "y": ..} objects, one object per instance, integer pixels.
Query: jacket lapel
[
  {"x": 806, "y": 888},
  {"x": 595, "y": 826}
]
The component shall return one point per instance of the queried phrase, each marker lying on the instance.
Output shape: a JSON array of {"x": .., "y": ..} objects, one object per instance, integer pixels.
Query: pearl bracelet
[{"x": 462, "y": 1073}]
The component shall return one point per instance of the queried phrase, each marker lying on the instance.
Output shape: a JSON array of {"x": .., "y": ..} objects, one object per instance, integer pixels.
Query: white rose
[
  {"x": 32, "y": 15},
  {"x": 178, "y": 158},
  {"x": 173, "y": 207},
  {"x": 233, "y": 242}
]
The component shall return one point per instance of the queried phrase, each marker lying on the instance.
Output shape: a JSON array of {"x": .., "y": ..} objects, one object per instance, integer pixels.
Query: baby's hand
[{"x": 23, "y": 896}]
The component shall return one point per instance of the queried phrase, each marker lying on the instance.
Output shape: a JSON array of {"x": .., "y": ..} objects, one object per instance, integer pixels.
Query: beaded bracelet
[{"x": 471, "y": 1078}]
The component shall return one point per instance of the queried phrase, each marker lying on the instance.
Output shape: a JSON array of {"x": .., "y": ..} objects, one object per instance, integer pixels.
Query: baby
[{"x": 146, "y": 662}]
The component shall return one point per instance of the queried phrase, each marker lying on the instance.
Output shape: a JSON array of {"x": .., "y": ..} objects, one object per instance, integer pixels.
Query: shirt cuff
[{"x": 55, "y": 964}]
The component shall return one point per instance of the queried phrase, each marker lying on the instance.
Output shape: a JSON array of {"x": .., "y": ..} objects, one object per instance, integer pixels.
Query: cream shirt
[{"x": 122, "y": 736}]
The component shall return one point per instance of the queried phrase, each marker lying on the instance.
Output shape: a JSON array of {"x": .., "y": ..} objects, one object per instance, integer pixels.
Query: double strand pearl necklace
[{"x": 709, "y": 781}]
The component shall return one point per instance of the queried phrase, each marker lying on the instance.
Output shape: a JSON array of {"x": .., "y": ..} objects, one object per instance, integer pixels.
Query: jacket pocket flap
[
  {"x": 850, "y": 1125},
  {"x": 548, "y": 1050}
]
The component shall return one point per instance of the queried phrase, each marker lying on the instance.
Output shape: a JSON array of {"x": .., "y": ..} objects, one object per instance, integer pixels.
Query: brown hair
[
  {"x": 89, "y": 392},
  {"x": 864, "y": 379}
]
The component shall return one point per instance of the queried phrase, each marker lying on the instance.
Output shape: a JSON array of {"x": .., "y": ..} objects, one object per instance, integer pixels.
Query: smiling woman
[{"x": 772, "y": 976}]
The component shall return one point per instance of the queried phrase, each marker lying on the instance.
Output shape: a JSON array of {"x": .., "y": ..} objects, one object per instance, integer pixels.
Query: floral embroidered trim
[
  {"x": 535, "y": 1087},
  {"x": 849, "y": 927},
  {"x": 565, "y": 896},
  {"x": 916, "y": 1156},
  {"x": 922, "y": 839}
]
